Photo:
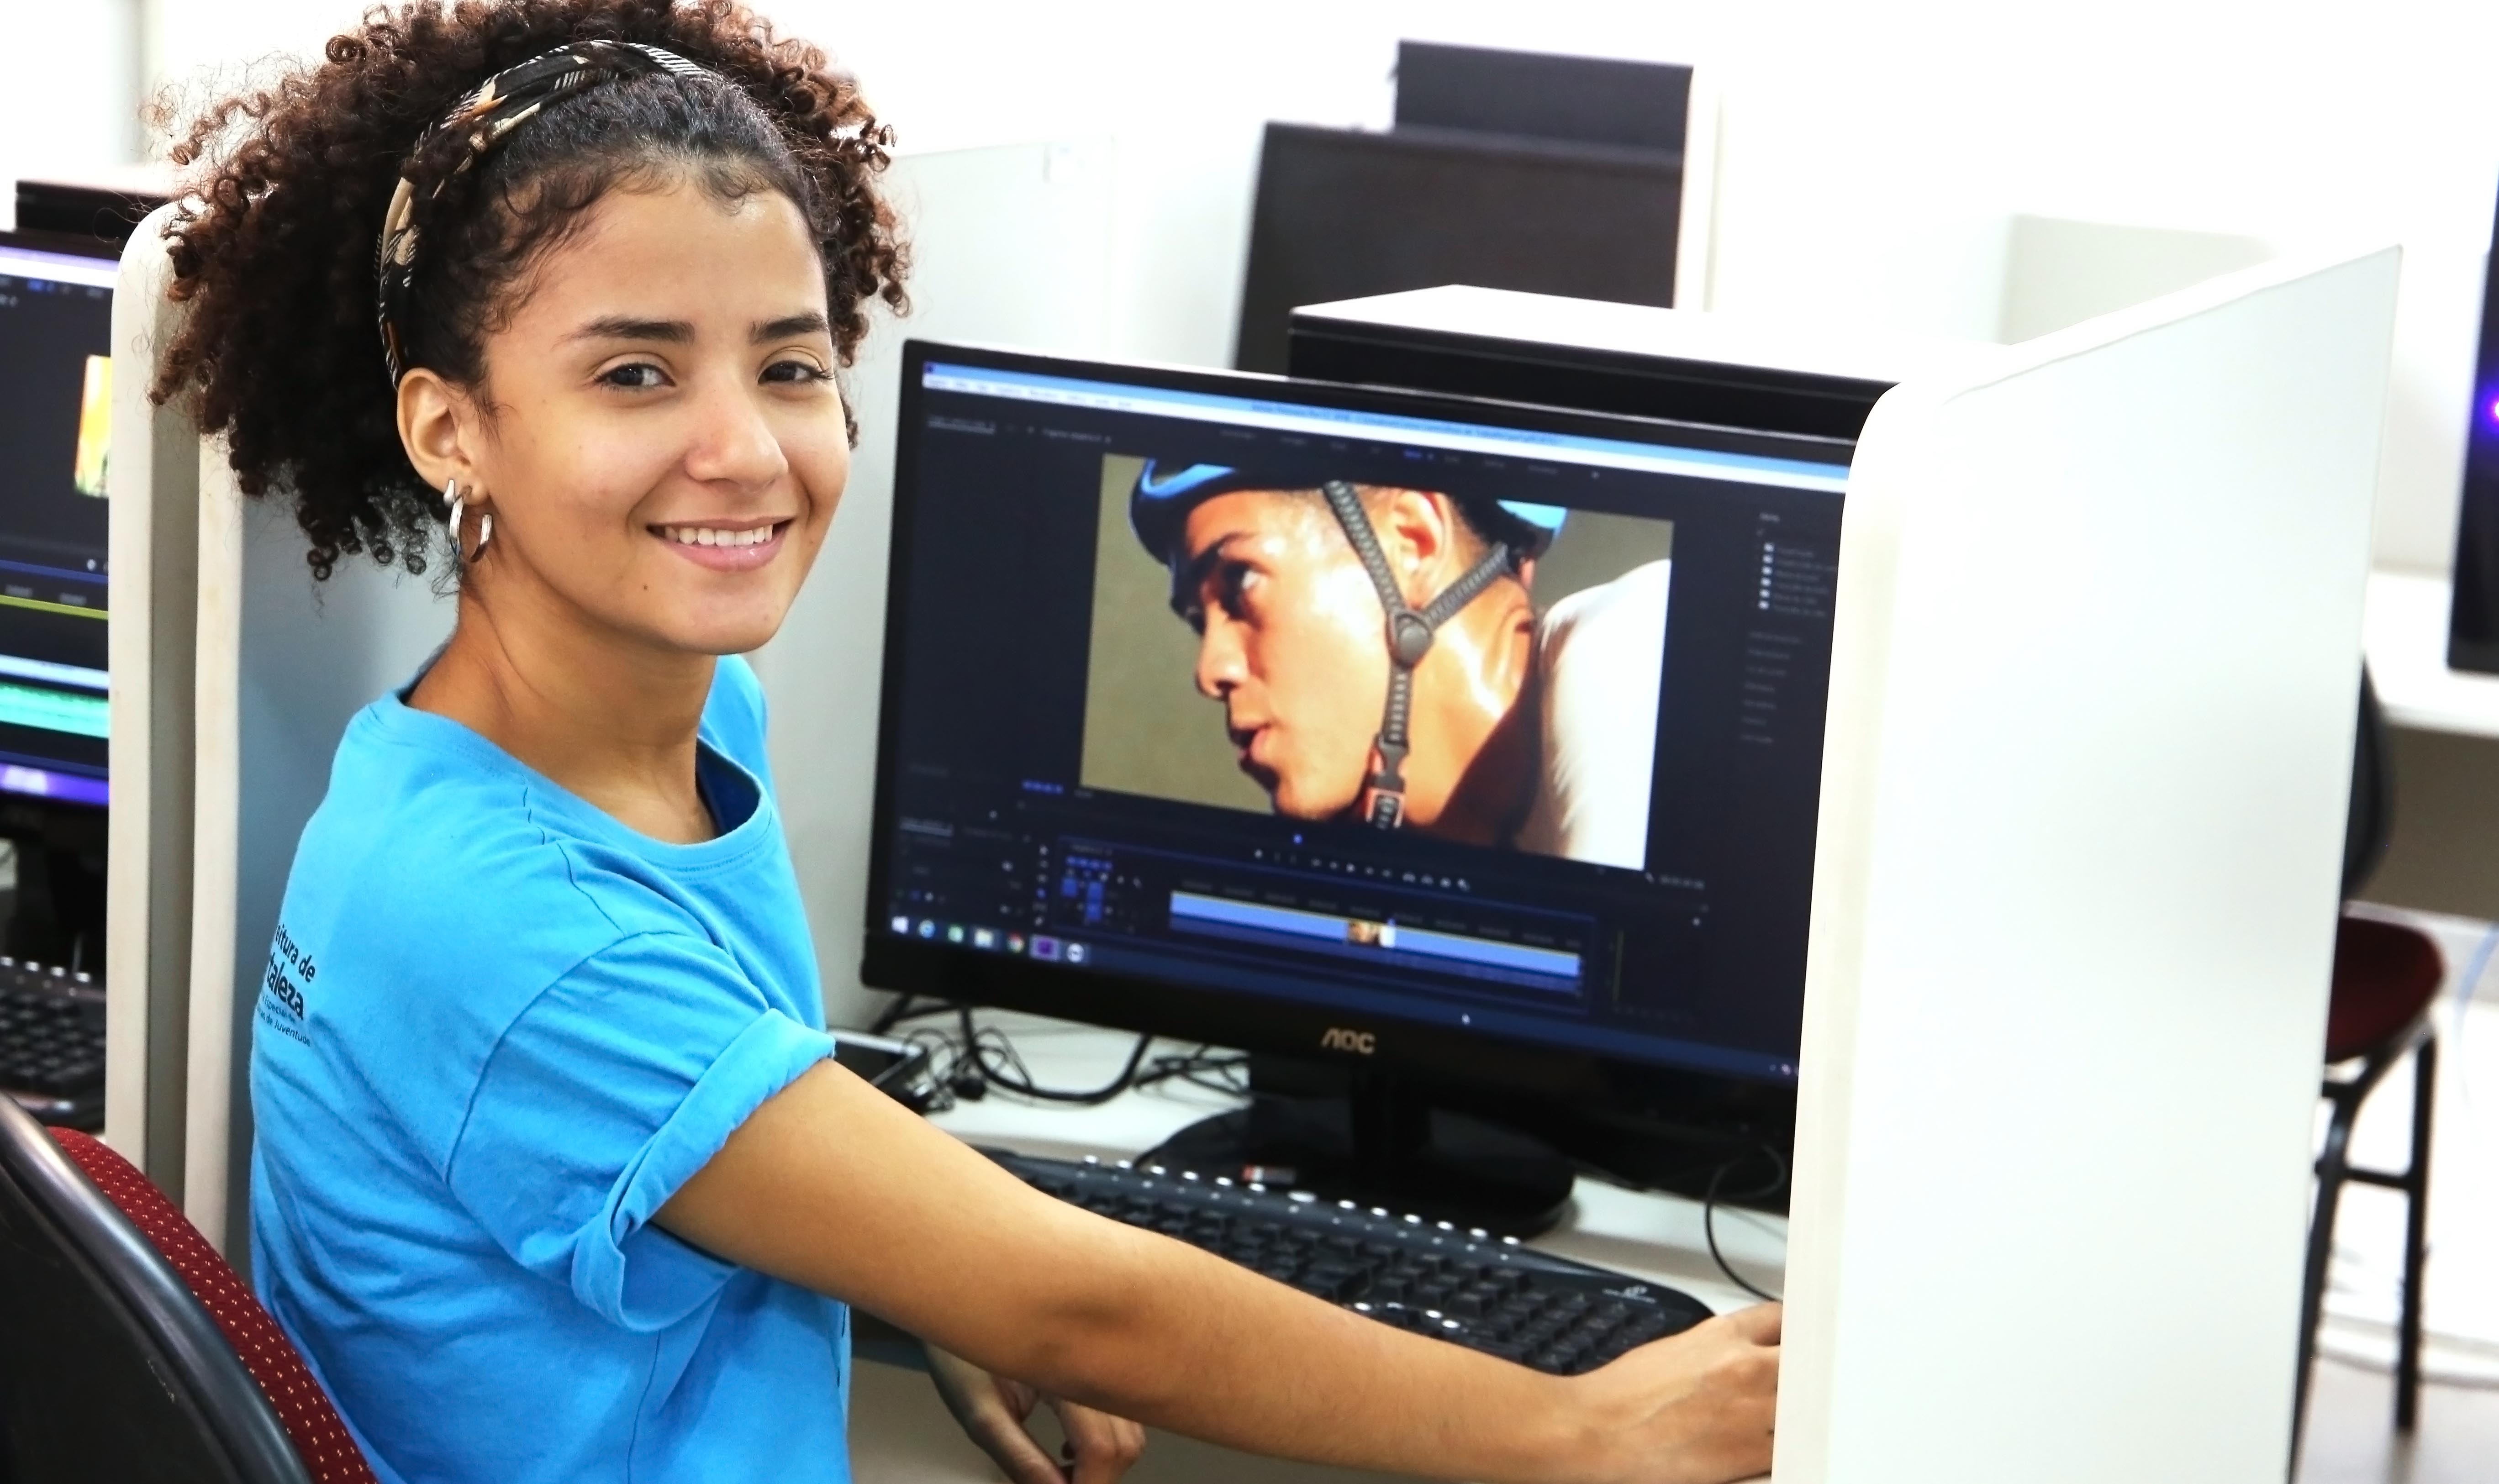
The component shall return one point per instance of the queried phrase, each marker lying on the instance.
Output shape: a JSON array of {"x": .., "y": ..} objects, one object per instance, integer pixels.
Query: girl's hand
[
  {"x": 992, "y": 1410},
  {"x": 1692, "y": 1409}
]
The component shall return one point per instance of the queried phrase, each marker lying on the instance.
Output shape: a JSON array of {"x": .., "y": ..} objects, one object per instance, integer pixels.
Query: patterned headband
[{"x": 506, "y": 101}]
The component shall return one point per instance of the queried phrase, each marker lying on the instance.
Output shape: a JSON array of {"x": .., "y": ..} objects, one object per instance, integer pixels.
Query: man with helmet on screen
[{"x": 1380, "y": 658}]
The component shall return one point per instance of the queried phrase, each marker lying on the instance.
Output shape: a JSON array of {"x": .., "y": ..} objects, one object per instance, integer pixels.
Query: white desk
[
  {"x": 2404, "y": 636},
  {"x": 899, "y": 1432}
]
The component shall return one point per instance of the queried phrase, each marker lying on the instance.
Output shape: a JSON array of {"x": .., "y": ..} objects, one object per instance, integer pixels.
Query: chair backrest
[
  {"x": 2372, "y": 817},
  {"x": 134, "y": 1353}
]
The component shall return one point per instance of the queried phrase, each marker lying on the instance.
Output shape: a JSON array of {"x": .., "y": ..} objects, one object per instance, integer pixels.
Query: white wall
[
  {"x": 69, "y": 82},
  {"x": 1873, "y": 153}
]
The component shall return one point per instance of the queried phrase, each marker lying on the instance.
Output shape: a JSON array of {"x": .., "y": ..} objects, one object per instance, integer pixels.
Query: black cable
[
  {"x": 1018, "y": 1081},
  {"x": 1227, "y": 1074},
  {"x": 1709, "y": 1216},
  {"x": 983, "y": 1057}
]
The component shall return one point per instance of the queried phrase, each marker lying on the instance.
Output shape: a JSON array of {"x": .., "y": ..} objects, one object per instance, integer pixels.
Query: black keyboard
[
  {"x": 52, "y": 1043},
  {"x": 1486, "y": 1293}
]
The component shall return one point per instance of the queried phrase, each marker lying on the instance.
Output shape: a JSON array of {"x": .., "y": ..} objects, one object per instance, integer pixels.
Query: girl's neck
[{"x": 609, "y": 720}]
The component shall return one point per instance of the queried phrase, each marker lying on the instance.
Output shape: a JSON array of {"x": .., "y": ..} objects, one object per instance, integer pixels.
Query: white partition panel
[
  {"x": 2087, "y": 754},
  {"x": 1695, "y": 228},
  {"x": 217, "y": 817},
  {"x": 153, "y": 481}
]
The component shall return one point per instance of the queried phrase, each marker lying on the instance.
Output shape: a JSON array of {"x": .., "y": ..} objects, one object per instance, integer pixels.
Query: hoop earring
[{"x": 452, "y": 510}]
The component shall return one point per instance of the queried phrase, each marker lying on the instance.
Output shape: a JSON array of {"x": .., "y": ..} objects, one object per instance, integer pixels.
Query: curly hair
[{"x": 273, "y": 251}]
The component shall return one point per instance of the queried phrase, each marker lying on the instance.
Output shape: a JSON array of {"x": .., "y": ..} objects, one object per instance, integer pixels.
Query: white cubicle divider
[
  {"x": 217, "y": 805},
  {"x": 1696, "y": 235},
  {"x": 2091, "y": 712},
  {"x": 177, "y": 549},
  {"x": 152, "y": 482}
]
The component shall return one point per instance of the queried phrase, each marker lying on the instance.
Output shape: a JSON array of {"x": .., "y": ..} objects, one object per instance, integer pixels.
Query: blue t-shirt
[{"x": 498, "y": 1031}]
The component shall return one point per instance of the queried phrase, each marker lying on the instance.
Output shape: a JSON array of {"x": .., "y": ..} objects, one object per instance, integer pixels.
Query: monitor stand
[{"x": 1382, "y": 1143}]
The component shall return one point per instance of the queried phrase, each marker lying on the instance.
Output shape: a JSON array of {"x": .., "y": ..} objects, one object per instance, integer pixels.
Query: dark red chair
[
  {"x": 2386, "y": 978},
  {"x": 132, "y": 1352}
]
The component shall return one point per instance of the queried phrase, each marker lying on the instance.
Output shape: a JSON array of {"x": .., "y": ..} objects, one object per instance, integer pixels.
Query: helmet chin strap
[{"x": 1409, "y": 639}]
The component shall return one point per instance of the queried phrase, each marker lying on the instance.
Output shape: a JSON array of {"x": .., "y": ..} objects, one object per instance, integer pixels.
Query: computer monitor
[
  {"x": 1599, "y": 888},
  {"x": 1555, "y": 175},
  {"x": 56, "y": 371},
  {"x": 2473, "y": 618}
]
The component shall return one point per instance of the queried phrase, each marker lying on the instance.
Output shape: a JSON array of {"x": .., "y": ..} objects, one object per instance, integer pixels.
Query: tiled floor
[{"x": 2353, "y": 1439}]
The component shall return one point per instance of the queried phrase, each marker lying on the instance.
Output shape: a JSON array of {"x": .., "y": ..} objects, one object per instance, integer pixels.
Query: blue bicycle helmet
[{"x": 1166, "y": 491}]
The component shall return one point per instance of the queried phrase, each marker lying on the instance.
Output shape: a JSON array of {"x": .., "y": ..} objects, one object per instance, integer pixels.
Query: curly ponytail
[{"x": 273, "y": 251}]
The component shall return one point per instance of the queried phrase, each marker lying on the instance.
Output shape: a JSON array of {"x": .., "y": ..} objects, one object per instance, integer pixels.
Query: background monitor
[
  {"x": 55, "y": 399},
  {"x": 2472, "y": 621},
  {"x": 1586, "y": 100},
  {"x": 79, "y": 215},
  {"x": 1554, "y": 175},
  {"x": 1066, "y": 823},
  {"x": 55, "y": 406}
]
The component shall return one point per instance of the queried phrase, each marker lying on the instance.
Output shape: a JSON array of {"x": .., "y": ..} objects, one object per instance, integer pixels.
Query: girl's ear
[{"x": 433, "y": 426}]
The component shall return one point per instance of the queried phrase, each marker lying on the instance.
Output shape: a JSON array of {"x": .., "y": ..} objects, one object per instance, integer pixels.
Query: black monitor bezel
[
  {"x": 1435, "y": 1055},
  {"x": 67, "y": 245}
]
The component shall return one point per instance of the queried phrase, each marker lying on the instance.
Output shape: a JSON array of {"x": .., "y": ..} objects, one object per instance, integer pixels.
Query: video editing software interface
[
  {"x": 55, "y": 408},
  {"x": 1141, "y": 673}
]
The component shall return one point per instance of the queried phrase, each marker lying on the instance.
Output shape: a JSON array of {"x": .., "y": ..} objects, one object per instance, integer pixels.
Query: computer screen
[
  {"x": 1138, "y": 706},
  {"x": 2473, "y": 615},
  {"x": 56, "y": 372}
]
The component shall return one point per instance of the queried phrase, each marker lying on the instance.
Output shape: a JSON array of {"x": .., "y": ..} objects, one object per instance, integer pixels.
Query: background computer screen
[
  {"x": 1127, "y": 720},
  {"x": 56, "y": 402}
]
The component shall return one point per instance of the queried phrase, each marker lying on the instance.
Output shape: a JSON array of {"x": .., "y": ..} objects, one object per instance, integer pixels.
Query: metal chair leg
[
  {"x": 2332, "y": 1168},
  {"x": 2416, "y": 1188}
]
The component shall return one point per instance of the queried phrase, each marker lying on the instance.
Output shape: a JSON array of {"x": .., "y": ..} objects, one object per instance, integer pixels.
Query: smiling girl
[{"x": 555, "y": 1177}]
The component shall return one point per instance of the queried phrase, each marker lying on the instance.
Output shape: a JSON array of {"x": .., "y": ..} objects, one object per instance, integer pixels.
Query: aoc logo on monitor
[{"x": 1341, "y": 1039}]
